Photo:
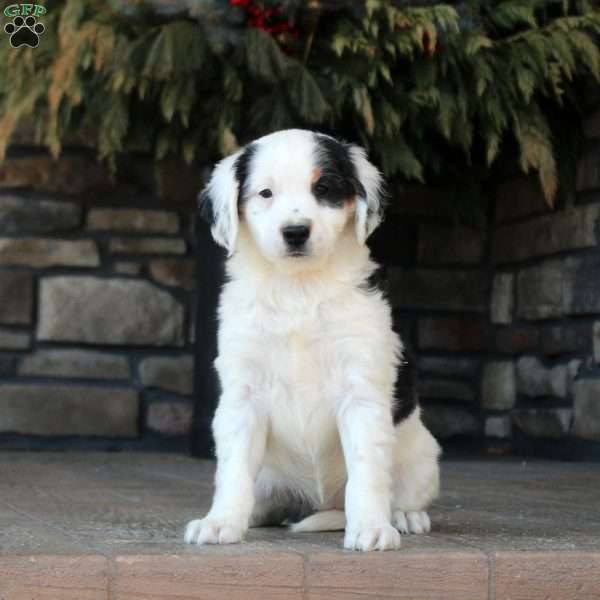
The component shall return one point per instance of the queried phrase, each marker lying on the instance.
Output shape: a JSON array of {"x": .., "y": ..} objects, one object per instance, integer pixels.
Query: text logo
[{"x": 25, "y": 28}]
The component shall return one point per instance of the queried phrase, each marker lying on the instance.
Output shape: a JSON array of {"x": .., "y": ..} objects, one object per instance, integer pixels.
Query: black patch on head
[
  {"x": 338, "y": 181},
  {"x": 241, "y": 168},
  {"x": 405, "y": 390}
]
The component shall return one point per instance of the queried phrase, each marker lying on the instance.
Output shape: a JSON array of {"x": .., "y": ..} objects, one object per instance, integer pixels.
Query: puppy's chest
[
  {"x": 299, "y": 358},
  {"x": 299, "y": 378}
]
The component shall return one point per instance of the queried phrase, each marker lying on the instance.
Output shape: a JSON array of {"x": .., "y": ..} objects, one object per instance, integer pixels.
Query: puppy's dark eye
[
  {"x": 266, "y": 193},
  {"x": 320, "y": 189}
]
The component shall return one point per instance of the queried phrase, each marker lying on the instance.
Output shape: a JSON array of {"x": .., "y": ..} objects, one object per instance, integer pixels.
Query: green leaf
[
  {"x": 163, "y": 145},
  {"x": 306, "y": 96},
  {"x": 400, "y": 158},
  {"x": 512, "y": 13},
  {"x": 475, "y": 42},
  {"x": 362, "y": 102},
  {"x": 588, "y": 51},
  {"x": 113, "y": 127},
  {"x": 265, "y": 59},
  {"x": 526, "y": 83},
  {"x": 168, "y": 99}
]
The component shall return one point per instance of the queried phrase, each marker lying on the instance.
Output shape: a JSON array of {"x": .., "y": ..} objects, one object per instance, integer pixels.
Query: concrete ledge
[{"x": 108, "y": 527}]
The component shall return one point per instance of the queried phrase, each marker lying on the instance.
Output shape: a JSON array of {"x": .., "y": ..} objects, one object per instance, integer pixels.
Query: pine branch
[{"x": 427, "y": 87}]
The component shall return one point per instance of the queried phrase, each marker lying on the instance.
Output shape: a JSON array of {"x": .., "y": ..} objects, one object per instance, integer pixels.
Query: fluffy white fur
[{"x": 307, "y": 362}]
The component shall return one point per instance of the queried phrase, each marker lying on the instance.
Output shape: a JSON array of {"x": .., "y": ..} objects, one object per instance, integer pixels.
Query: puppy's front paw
[
  {"x": 213, "y": 531},
  {"x": 365, "y": 538}
]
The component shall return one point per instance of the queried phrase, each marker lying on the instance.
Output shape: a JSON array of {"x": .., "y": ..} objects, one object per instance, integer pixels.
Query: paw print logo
[{"x": 24, "y": 32}]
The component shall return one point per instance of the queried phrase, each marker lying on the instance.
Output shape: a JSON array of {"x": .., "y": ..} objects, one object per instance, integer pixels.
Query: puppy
[{"x": 307, "y": 424}]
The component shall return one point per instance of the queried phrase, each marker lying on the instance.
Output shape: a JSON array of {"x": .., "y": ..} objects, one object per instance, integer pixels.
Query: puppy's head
[{"x": 295, "y": 191}]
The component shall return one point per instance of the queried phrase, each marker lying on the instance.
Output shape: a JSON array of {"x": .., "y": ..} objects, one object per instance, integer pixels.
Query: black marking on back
[
  {"x": 241, "y": 168},
  {"x": 405, "y": 390},
  {"x": 406, "y": 397},
  {"x": 338, "y": 181},
  {"x": 376, "y": 282}
]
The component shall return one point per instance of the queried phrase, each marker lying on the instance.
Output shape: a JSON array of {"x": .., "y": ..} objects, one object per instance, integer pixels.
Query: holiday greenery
[{"x": 427, "y": 88}]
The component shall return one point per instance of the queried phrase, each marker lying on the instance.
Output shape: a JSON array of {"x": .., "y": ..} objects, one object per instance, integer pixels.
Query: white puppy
[{"x": 307, "y": 422}]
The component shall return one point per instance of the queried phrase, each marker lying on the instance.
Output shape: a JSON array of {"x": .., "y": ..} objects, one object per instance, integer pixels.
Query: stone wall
[
  {"x": 438, "y": 280},
  {"x": 541, "y": 383},
  {"x": 96, "y": 307},
  {"x": 96, "y": 284},
  {"x": 504, "y": 316}
]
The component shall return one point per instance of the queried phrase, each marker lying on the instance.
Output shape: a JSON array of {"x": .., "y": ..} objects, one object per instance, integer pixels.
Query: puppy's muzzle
[{"x": 295, "y": 236}]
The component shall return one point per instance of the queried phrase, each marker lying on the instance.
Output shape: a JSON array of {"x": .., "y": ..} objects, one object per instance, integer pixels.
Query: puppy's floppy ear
[
  {"x": 369, "y": 205},
  {"x": 218, "y": 202}
]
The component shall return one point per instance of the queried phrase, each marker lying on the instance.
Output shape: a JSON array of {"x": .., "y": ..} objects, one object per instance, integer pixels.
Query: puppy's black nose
[{"x": 295, "y": 235}]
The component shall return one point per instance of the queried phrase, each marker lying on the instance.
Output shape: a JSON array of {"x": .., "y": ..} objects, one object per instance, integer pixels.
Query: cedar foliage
[{"x": 418, "y": 85}]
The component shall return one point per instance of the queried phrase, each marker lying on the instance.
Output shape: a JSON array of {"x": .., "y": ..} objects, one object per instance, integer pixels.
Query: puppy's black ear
[
  {"x": 205, "y": 208},
  {"x": 218, "y": 203},
  {"x": 369, "y": 207}
]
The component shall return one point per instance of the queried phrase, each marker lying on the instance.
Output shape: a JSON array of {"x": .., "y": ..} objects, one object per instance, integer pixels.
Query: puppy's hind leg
[
  {"x": 270, "y": 506},
  {"x": 275, "y": 503},
  {"x": 416, "y": 475}
]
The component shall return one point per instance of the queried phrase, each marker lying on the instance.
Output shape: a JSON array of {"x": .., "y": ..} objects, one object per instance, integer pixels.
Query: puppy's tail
[{"x": 326, "y": 520}]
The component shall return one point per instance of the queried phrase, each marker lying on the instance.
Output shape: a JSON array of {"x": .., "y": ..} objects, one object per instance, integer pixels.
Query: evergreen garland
[{"x": 425, "y": 87}]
